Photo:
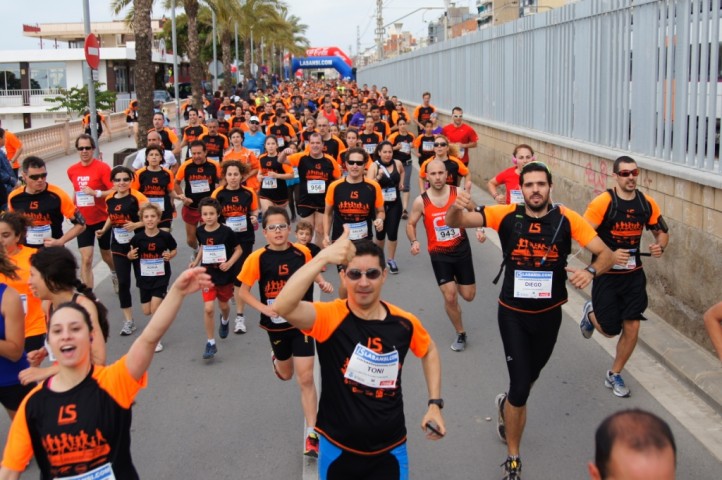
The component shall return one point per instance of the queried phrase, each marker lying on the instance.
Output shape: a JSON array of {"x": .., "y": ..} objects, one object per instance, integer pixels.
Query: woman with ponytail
[{"x": 53, "y": 279}]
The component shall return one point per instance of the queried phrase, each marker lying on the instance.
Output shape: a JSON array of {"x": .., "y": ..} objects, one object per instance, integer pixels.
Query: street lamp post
[
  {"x": 90, "y": 81},
  {"x": 175, "y": 65}
]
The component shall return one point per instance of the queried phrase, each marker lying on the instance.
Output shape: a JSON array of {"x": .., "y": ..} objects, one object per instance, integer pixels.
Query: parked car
[{"x": 161, "y": 95}]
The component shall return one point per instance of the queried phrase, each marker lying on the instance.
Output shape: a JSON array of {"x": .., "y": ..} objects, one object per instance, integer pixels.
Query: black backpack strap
[{"x": 514, "y": 239}]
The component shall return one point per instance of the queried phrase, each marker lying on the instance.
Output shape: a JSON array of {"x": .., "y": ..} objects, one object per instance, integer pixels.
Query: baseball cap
[{"x": 254, "y": 119}]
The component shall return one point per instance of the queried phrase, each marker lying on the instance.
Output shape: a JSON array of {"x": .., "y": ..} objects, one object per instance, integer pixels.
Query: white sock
[
  {"x": 224, "y": 321},
  {"x": 309, "y": 431},
  {"x": 212, "y": 341}
]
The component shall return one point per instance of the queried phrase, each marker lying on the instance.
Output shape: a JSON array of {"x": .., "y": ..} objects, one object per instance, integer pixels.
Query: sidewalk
[{"x": 691, "y": 364}]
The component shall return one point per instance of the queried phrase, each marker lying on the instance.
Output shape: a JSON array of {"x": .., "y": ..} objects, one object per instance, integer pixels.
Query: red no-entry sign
[{"x": 92, "y": 51}]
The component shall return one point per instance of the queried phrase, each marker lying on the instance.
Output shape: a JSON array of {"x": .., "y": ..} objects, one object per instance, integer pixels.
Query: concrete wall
[{"x": 686, "y": 280}]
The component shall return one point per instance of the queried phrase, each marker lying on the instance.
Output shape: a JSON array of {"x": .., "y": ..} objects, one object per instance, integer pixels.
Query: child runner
[
  {"x": 151, "y": 250},
  {"x": 218, "y": 251}
]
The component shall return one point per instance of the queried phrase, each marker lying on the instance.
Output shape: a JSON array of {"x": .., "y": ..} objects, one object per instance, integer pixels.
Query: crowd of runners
[{"x": 333, "y": 163}]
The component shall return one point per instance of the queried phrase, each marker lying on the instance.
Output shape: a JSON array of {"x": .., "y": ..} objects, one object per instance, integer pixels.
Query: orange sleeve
[
  {"x": 494, "y": 214},
  {"x": 463, "y": 169},
  {"x": 329, "y": 316},
  {"x": 172, "y": 136},
  {"x": 417, "y": 142},
  {"x": 135, "y": 184},
  {"x": 582, "y": 232},
  {"x": 67, "y": 207},
  {"x": 255, "y": 162},
  {"x": 251, "y": 271},
  {"x": 268, "y": 131},
  {"x": 379, "y": 136},
  {"x": 379, "y": 195},
  {"x": 291, "y": 131},
  {"x": 388, "y": 129},
  {"x": 656, "y": 212},
  {"x": 117, "y": 381},
  {"x": 295, "y": 158},
  {"x": 416, "y": 112},
  {"x": 287, "y": 168},
  {"x": 336, "y": 167},
  {"x": 139, "y": 197},
  {"x": 254, "y": 199},
  {"x": 305, "y": 250},
  {"x": 597, "y": 209},
  {"x": 330, "y": 192},
  {"x": 420, "y": 338},
  {"x": 341, "y": 146},
  {"x": 422, "y": 169},
  {"x": 392, "y": 138},
  {"x": 19, "y": 448},
  {"x": 226, "y": 143},
  {"x": 219, "y": 171},
  {"x": 181, "y": 173},
  {"x": 216, "y": 192}
]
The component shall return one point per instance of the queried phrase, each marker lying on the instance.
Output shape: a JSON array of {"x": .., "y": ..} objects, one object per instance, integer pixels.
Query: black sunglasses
[
  {"x": 355, "y": 162},
  {"x": 356, "y": 274},
  {"x": 441, "y": 144},
  {"x": 627, "y": 173},
  {"x": 38, "y": 176},
  {"x": 253, "y": 122},
  {"x": 80, "y": 149}
]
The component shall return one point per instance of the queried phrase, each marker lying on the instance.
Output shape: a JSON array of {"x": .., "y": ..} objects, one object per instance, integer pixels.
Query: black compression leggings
[
  {"x": 529, "y": 341},
  {"x": 391, "y": 222},
  {"x": 122, "y": 269}
]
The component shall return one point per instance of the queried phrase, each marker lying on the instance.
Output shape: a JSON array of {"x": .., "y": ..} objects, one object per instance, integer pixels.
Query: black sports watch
[
  {"x": 591, "y": 270},
  {"x": 439, "y": 402}
]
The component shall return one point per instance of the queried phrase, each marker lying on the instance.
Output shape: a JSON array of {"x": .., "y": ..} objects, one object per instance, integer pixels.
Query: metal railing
[
  {"x": 633, "y": 75},
  {"x": 34, "y": 97}
]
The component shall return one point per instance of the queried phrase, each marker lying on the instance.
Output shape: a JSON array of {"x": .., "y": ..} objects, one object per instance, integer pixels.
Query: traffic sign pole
[{"x": 90, "y": 38}]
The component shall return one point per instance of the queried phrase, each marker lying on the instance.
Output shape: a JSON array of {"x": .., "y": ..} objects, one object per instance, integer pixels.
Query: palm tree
[
  {"x": 144, "y": 70},
  {"x": 228, "y": 13},
  {"x": 291, "y": 38},
  {"x": 194, "y": 46}
]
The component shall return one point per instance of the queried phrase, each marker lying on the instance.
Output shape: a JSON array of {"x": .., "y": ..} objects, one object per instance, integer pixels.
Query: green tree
[{"x": 74, "y": 100}]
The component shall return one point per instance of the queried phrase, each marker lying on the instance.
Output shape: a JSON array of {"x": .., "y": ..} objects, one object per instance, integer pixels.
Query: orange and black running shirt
[
  {"x": 315, "y": 175},
  {"x": 122, "y": 210},
  {"x": 333, "y": 147},
  {"x": 200, "y": 179},
  {"x": 623, "y": 227},
  {"x": 454, "y": 167},
  {"x": 273, "y": 189},
  {"x": 382, "y": 127},
  {"x": 167, "y": 136},
  {"x": 425, "y": 145},
  {"x": 237, "y": 206},
  {"x": 369, "y": 141},
  {"x": 46, "y": 210},
  {"x": 272, "y": 269},
  {"x": 406, "y": 141},
  {"x": 218, "y": 247},
  {"x": 152, "y": 271},
  {"x": 191, "y": 134},
  {"x": 535, "y": 276},
  {"x": 224, "y": 127},
  {"x": 358, "y": 413},
  {"x": 444, "y": 242},
  {"x": 156, "y": 186},
  {"x": 81, "y": 431},
  {"x": 422, "y": 113},
  {"x": 354, "y": 204},
  {"x": 283, "y": 133},
  {"x": 215, "y": 145}
]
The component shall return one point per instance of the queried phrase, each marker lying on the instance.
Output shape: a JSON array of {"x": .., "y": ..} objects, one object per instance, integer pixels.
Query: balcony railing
[{"x": 34, "y": 97}]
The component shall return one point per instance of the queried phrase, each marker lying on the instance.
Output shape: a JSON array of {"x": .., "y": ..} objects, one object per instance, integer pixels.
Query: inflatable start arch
[{"x": 323, "y": 62}]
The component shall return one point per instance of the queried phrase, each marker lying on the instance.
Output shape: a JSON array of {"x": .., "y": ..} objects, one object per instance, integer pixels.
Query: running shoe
[
  {"x": 159, "y": 347},
  {"x": 210, "y": 351},
  {"x": 500, "y": 427},
  {"x": 460, "y": 344},
  {"x": 311, "y": 446},
  {"x": 616, "y": 383},
  {"x": 586, "y": 325},
  {"x": 393, "y": 268},
  {"x": 128, "y": 328},
  {"x": 114, "y": 279},
  {"x": 223, "y": 328},
  {"x": 405, "y": 215},
  {"x": 240, "y": 326},
  {"x": 273, "y": 362},
  {"x": 511, "y": 468}
]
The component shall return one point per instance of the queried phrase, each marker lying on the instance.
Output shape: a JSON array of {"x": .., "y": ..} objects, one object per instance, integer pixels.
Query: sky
[{"x": 330, "y": 22}]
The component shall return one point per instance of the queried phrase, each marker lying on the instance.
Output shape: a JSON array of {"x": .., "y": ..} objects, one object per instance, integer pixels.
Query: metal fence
[{"x": 636, "y": 75}]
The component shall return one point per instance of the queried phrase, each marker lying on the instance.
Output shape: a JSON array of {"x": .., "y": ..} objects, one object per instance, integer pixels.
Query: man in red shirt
[
  {"x": 91, "y": 184},
  {"x": 461, "y": 134}
]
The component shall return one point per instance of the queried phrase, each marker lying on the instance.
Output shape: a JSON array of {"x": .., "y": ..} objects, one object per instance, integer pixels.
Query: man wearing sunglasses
[
  {"x": 362, "y": 344},
  {"x": 91, "y": 183},
  {"x": 460, "y": 134},
  {"x": 619, "y": 297},
  {"x": 255, "y": 139},
  {"x": 46, "y": 206},
  {"x": 536, "y": 241},
  {"x": 281, "y": 128}
]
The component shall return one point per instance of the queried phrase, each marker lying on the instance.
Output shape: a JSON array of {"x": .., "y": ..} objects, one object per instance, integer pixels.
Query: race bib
[
  {"x": 631, "y": 261},
  {"x": 281, "y": 142},
  {"x": 532, "y": 284},
  {"x": 214, "y": 254},
  {"x": 84, "y": 200},
  {"x": 405, "y": 147},
  {"x": 461, "y": 152},
  {"x": 255, "y": 151},
  {"x": 370, "y": 148},
  {"x": 515, "y": 196},
  {"x": 444, "y": 233},
  {"x": 316, "y": 186},
  {"x": 160, "y": 201},
  {"x": 295, "y": 172},
  {"x": 277, "y": 319},
  {"x": 200, "y": 186},
  {"x": 104, "y": 472},
  {"x": 371, "y": 369},
  {"x": 427, "y": 146},
  {"x": 390, "y": 194},
  {"x": 269, "y": 183},
  {"x": 358, "y": 230},
  {"x": 152, "y": 267},
  {"x": 122, "y": 235},
  {"x": 237, "y": 224},
  {"x": 37, "y": 235}
]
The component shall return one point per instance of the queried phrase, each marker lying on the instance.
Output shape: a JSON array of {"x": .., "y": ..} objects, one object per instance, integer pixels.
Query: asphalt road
[{"x": 232, "y": 418}]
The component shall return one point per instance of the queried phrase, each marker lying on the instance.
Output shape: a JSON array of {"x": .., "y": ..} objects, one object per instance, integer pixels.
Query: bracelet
[
  {"x": 98, "y": 194},
  {"x": 413, "y": 241}
]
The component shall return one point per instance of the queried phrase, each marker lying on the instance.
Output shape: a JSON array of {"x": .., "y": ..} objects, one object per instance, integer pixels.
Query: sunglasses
[
  {"x": 80, "y": 149},
  {"x": 277, "y": 227},
  {"x": 38, "y": 176},
  {"x": 123, "y": 179},
  {"x": 355, "y": 162},
  {"x": 458, "y": 116},
  {"x": 437, "y": 144},
  {"x": 253, "y": 122},
  {"x": 356, "y": 274},
  {"x": 627, "y": 173}
]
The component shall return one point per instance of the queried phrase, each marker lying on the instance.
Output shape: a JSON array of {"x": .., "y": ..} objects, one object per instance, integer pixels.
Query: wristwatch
[
  {"x": 591, "y": 270},
  {"x": 439, "y": 402}
]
